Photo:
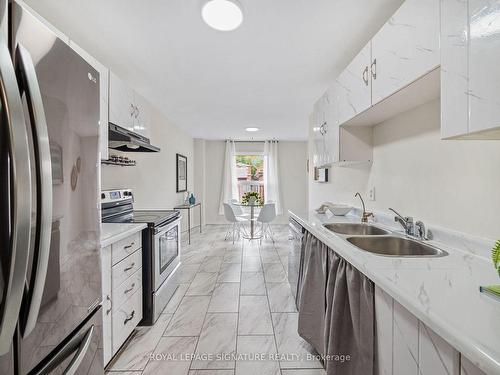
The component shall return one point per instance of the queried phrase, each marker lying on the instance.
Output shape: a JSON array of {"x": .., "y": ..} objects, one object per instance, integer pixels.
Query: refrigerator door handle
[
  {"x": 29, "y": 85},
  {"x": 80, "y": 344},
  {"x": 20, "y": 199}
]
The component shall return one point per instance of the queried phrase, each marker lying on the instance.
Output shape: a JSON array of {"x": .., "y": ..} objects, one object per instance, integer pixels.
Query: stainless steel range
[{"x": 161, "y": 247}]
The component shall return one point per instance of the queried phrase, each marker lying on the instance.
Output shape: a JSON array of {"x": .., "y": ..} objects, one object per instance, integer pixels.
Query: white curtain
[
  {"x": 271, "y": 175},
  {"x": 229, "y": 188}
]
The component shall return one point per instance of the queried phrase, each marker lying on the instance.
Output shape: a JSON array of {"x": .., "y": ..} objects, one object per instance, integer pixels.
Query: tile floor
[{"x": 233, "y": 314}]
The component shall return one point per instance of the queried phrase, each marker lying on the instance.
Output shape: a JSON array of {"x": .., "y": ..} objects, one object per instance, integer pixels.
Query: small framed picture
[{"x": 181, "y": 162}]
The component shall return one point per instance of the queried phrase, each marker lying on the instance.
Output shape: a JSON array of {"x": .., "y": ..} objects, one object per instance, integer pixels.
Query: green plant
[
  {"x": 245, "y": 199},
  {"x": 495, "y": 256}
]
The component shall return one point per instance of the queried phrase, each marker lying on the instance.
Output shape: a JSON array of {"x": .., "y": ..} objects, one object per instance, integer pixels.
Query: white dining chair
[
  {"x": 266, "y": 216},
  {"x": 238, "y": 211},
  {"x": 236, "y": 222}
]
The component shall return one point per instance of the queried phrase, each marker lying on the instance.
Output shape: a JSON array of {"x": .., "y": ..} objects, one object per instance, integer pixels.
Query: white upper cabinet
[
  {"x": 354, "y": 86},
  {"x": 103, "y": 95},
  {"x": 127, "y": 108},
  {"x": 405, "y": 48},
  {"x": 470, "y": 44},
  {"x": 320, "y": 129},
  {"x": 121, "y": 103},
  {"x": 484, "y": 72},
  {"x": 454, "y": 68},
  {"x": 143, "y": 116}
]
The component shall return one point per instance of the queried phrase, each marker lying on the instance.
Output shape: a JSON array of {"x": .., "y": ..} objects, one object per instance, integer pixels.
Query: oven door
[{"x": 166, "y": 251}]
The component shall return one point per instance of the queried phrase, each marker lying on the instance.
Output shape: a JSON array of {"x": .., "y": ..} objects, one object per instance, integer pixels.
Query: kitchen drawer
[
  {"x": 123, "y": 248},
  {"x": 126, "y": 268},
  {"x": 126, "y": 289},
  {"x": 125, "y": 319}
]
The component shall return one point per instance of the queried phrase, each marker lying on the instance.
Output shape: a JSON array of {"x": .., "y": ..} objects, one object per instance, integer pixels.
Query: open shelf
[{"x": 110, "y": 162}]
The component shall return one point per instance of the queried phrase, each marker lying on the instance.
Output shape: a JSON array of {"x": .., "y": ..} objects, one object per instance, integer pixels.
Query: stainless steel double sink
[{"x": 383, "y": 242}]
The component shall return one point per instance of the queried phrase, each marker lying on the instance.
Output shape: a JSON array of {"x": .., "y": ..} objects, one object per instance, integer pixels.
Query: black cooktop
[{"x": 150, "y": 217}]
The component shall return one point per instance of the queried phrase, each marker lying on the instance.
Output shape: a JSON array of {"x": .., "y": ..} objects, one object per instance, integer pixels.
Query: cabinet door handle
[
  {"x": 129, "y": 246},
  {"x": 129, "y": 268},
  {"x": 110, "y": 304},
  {"x": 365, "y": 75},
  {"x": 130, "y": 289},
  {"x": 374, "y": 69},
  {"x": 128, "y": 319}
]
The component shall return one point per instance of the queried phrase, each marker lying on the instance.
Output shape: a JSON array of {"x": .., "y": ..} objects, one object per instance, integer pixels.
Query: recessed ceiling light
[
  {"x": 223, "y": 15},
  {"x": 252, "y": 129}
]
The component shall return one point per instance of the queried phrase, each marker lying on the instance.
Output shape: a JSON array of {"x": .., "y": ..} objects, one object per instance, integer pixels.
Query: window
[{"x": 250, "y": 174}]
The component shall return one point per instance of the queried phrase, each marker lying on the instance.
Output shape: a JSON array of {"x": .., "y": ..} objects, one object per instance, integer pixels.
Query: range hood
[{"x": 124, "y": 140}]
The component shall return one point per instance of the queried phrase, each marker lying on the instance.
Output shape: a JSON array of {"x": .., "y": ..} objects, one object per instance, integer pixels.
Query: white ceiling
[{"x": 213, "y": 84}]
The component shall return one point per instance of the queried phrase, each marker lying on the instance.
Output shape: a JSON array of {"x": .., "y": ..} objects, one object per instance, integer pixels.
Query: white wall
[
  {"x": 452, "y": 184},
  {"x": 293, "y": 175},
  {"x": 153, "y": 179}
]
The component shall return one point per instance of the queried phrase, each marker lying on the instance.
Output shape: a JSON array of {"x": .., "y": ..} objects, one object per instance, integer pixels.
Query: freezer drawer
[{"x": 79, "y": 354}]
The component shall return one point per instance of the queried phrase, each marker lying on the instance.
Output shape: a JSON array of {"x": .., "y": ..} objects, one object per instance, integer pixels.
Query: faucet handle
[
  {"x": 420, "y": 230},
  {"x": 366, "y": 215}
]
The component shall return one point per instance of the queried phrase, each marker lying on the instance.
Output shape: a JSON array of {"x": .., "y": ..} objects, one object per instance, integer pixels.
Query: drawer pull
[
  {"x": 131, "y": 289},
  {"x": 129, "y": 318},
  {"x": 129, "y": 268},
  {"x": 110, "y": 304},
  {"x": 129, "y": 246},
  {"x": 373, "y": 69}
]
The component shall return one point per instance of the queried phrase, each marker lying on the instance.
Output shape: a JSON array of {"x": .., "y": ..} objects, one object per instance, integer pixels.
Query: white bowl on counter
[{"x": 340, "y": 209}]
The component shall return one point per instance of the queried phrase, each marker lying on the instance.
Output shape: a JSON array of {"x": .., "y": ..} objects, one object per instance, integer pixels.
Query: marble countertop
[
  {"x": 112, "y": 232},
  {"x": 441, "y": 292}
]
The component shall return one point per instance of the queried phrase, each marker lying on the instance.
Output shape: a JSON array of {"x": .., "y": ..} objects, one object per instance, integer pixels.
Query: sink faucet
[
  {"x": 405, "y": 221},
  {"x": 366, "y": 215}
]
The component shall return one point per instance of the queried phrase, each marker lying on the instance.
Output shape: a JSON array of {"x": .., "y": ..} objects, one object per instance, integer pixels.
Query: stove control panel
[{"x": 116, "y": 195}]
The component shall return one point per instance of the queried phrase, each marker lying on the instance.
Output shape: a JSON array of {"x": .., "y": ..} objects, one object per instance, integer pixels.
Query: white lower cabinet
[
  {"x": 436, "y": 356},
  {"x": 384, "y": 311},
  {"x": 125, "y": 319},
  {"x": 468, "y": 368},
  {"x": 107, "y": 305},
  {"x": 121, "y": 269},
  {"x": 407, "y": 346}
]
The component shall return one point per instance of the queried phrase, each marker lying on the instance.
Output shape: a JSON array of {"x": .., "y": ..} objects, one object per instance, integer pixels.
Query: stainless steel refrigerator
[{"x": 50, "y": 286}]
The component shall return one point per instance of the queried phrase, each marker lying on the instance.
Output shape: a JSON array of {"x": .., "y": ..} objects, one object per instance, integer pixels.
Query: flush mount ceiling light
[
  {"x": 222, "y": 15},
  {"x": 252, "y": 129}
]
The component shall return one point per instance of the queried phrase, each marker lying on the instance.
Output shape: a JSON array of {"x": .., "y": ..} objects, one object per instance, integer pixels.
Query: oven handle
[{"x": 166, "y": 227}]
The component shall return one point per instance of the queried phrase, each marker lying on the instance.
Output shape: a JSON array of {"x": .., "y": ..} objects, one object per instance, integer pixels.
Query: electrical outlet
[{"x": 371, "y": 194}]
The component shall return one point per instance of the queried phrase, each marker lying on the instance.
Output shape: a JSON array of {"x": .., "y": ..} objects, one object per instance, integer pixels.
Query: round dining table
[{"x": 252, "y": 235}]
